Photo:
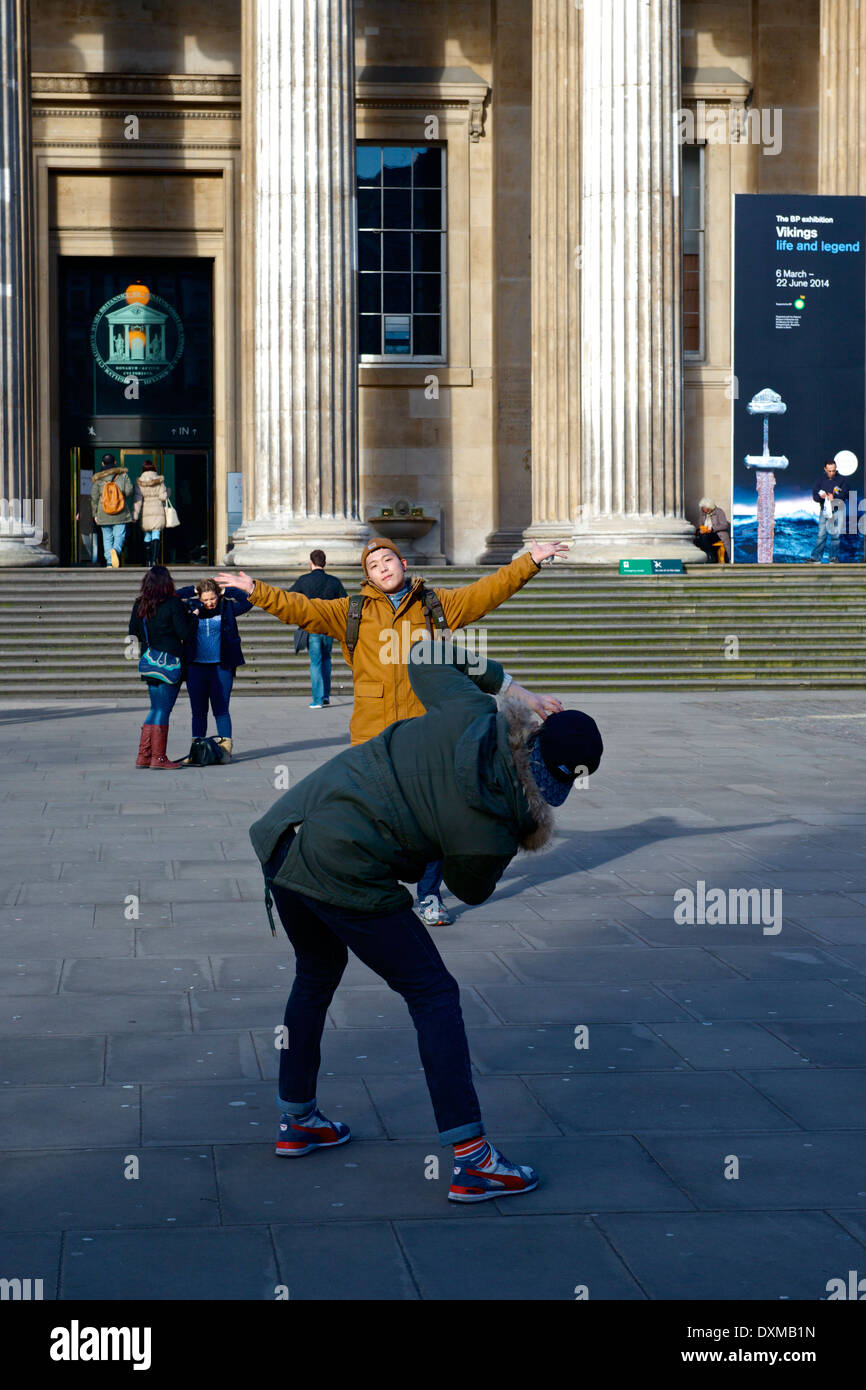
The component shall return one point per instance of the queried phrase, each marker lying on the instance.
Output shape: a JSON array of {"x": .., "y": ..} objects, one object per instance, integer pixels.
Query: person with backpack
[
  {"x": 319, "y": 584},
  {"x": 465, "y": 782},
  {"x": 110, "y": 489},
  {"x": 149, "y": 502},
  {"x": 213, "y": 655},
  {"x": 363, "y": 625},
  {"x": 163, "y": 625}
]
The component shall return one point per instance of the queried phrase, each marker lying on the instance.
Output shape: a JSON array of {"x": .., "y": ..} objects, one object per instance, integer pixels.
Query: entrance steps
[{"x": 63, "y": 631}]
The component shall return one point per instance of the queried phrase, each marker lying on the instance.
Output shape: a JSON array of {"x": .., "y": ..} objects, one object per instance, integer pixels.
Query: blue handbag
[{"x": 158, "y": 666}]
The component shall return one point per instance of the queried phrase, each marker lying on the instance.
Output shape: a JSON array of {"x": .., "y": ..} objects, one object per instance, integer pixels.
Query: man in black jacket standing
[
  {"x": 831, "y": 494},
  {"x": 319, "y": 584}
]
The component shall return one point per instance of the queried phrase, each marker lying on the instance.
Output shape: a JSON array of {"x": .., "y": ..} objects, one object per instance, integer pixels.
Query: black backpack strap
[
  {"x": 353, "y": 622},
  {"x": 434, "y": 615}
]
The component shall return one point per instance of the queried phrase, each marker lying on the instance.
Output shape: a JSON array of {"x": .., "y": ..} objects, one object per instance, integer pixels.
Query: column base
[
  {"x": 501, "y": 547},
  {"x": 16, "y": 553},
  {"x": 607, "y": 540},
  {"x": 258, "y": 543}
]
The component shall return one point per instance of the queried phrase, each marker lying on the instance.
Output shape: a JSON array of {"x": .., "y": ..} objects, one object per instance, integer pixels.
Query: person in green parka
[{"x": 468, "y": 783}]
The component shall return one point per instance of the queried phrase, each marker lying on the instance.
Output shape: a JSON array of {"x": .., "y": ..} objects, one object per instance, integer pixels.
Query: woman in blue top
[{"x": 213, "y": 655}]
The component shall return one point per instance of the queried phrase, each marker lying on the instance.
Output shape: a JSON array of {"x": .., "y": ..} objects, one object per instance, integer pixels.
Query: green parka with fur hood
[{"x": 453, "y": 784}]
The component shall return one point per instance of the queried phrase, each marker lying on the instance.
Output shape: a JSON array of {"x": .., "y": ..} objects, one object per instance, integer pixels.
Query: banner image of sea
[{"x": 794, "y": 539}]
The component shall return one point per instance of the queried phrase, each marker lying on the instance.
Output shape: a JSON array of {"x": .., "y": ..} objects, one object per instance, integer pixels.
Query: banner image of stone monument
[{"x": 799, "y": 358}]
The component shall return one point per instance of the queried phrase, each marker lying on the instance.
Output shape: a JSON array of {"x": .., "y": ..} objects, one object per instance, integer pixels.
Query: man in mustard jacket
[{"x": 393, "y": 610}]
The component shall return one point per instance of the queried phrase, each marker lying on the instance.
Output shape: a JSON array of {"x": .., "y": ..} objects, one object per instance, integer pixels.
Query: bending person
[
  {"x": 391, "y": 608},
  {"x": 465, "y": 784}
]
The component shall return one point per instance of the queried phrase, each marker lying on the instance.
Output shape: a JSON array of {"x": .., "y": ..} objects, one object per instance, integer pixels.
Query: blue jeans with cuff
[
  {"x": 320, "y": 666},
  {"x": 401, "y": 951}
]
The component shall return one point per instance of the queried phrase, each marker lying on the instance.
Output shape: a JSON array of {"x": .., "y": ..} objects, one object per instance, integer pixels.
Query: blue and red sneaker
[
  {"x": 299, "y": 1135},
  {"x": 472, "y": 1181}
]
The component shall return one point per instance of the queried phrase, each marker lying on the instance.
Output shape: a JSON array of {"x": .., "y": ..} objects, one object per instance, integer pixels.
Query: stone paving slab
[
  {"x": 173, "y": 1264},
  {"x": 718, "y": 1045},
  {"x": 192, "y": 1057},
  {"x": 50, "y": 1061},
  {"x": 93, "y": 1014},
  {"x": 530, "y": 1259},
  {"x": 767, "y": 1001},
  {"x": 358, "y": 1260},
  {"x": 653, "y": 1102},
  {"x": 573, "y": 1004},
  {"x": 546, "y": 1049},
  {"x": 790, "y": 1256},
  {"x": 73, "y": 1188},
  {"x": 831, "y": 1098},
  {"x": 705, "y": 1042},
  {"x": 507, "y": 1104},
  {"x": 794, "y": 1171},
  {"x": 243, "y": 1111}
]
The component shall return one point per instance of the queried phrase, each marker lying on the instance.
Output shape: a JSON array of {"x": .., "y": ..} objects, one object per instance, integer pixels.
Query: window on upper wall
[
  {"x": 693, "y": 250},
  {"x": 401, "y": 252}
]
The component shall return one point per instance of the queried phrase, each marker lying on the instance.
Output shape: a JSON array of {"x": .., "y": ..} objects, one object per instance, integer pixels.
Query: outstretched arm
[
  {"x": 467, "y": 605},
  {"x": 327, "y": 615}
]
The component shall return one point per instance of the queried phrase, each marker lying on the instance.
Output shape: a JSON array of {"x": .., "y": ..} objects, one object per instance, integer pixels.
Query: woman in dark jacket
[
  {"x": 162, "y": 622},
  {"x": 214, "y": 654}
]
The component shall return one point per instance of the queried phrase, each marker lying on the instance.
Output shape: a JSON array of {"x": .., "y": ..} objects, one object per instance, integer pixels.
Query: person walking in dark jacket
[
  {"x": 111, "y": 489},
  {"x": 162, "y": 624},
  {"x": 319, "y": 584},
  {"x": 462, "y": 783},
  {"x": 831, "y": 494},
  {"x": 213, "y": 655}
]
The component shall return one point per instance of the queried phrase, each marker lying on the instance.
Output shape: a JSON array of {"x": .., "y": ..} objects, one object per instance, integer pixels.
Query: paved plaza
[{"x": 692, "y": 1094}]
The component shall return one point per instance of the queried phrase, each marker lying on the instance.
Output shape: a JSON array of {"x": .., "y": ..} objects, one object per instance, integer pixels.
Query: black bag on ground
[{"x": 204, "y": 752}]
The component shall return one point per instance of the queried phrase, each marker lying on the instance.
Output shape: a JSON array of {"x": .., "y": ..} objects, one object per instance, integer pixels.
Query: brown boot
[
  {"x": 159, "y": 738},
  {"x": 144, "y": 749}
]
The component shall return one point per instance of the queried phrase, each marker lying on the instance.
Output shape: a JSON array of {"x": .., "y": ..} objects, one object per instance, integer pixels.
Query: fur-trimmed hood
[{"x": 519, "y": 723}]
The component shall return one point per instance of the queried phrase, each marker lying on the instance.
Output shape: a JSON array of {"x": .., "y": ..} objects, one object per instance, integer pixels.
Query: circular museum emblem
[{"x": 137, "y": 334}]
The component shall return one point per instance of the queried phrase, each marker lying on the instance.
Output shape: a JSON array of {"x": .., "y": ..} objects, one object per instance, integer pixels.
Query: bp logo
[{"x": 137, "y": 334}]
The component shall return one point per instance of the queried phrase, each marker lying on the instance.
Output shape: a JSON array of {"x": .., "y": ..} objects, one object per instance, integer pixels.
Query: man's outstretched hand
[
  {"x": 236, "y": 580},
  {"x": 542, "y": 705},
  {"x": 543, "y": 550}
]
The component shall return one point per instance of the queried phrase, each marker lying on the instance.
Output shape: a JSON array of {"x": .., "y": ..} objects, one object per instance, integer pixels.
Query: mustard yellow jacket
[{"x": 383, "y": 693}]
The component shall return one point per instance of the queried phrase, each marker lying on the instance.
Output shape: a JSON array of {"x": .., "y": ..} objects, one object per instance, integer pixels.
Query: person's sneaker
[
  {"x": 326, "y": 702},
  {"x": 314, "y": 706},
  {"x": 297, "y": 1135},
  {"x": 432, "y": 912},
  {"x": 503, "y": 1179},
  {"x": 115, "y": 560}
]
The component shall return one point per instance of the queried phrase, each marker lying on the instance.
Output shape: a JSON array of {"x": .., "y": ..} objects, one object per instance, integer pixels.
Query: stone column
[
  {"x": 842, "y": 98},
  {"x": 631, "y": 473},
  {"x": 21, "y": 510},
  {"x": 556, "y": 254},
  {"x": 300, "y": 437}
]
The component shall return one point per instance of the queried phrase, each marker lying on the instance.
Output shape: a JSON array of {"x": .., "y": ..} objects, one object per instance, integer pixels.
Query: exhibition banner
[{"x": 799, "y": 375}]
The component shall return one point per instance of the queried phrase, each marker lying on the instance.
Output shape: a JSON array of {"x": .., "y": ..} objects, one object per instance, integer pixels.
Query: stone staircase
[{"x": 62, "y": 631}]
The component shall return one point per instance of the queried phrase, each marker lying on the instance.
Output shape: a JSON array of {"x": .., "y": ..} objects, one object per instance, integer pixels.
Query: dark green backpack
[{"x": 433, "y": 616}]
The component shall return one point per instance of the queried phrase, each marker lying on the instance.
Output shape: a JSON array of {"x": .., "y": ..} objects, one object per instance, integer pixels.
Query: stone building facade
[{"x": 449, "y": 259}]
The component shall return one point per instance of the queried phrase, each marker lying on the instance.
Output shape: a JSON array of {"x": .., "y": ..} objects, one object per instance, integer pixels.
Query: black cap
[{"x": 569, "y": 741}]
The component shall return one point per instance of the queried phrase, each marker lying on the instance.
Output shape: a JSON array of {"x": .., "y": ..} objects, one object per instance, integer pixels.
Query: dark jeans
[
  {"x": 209, "y": 683},
  {"x": 162, "y": 700},
  {"x": 431, "y": 880},
  {"x": 320, "y": 666},
  {"x": 399, "y": 949}
]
